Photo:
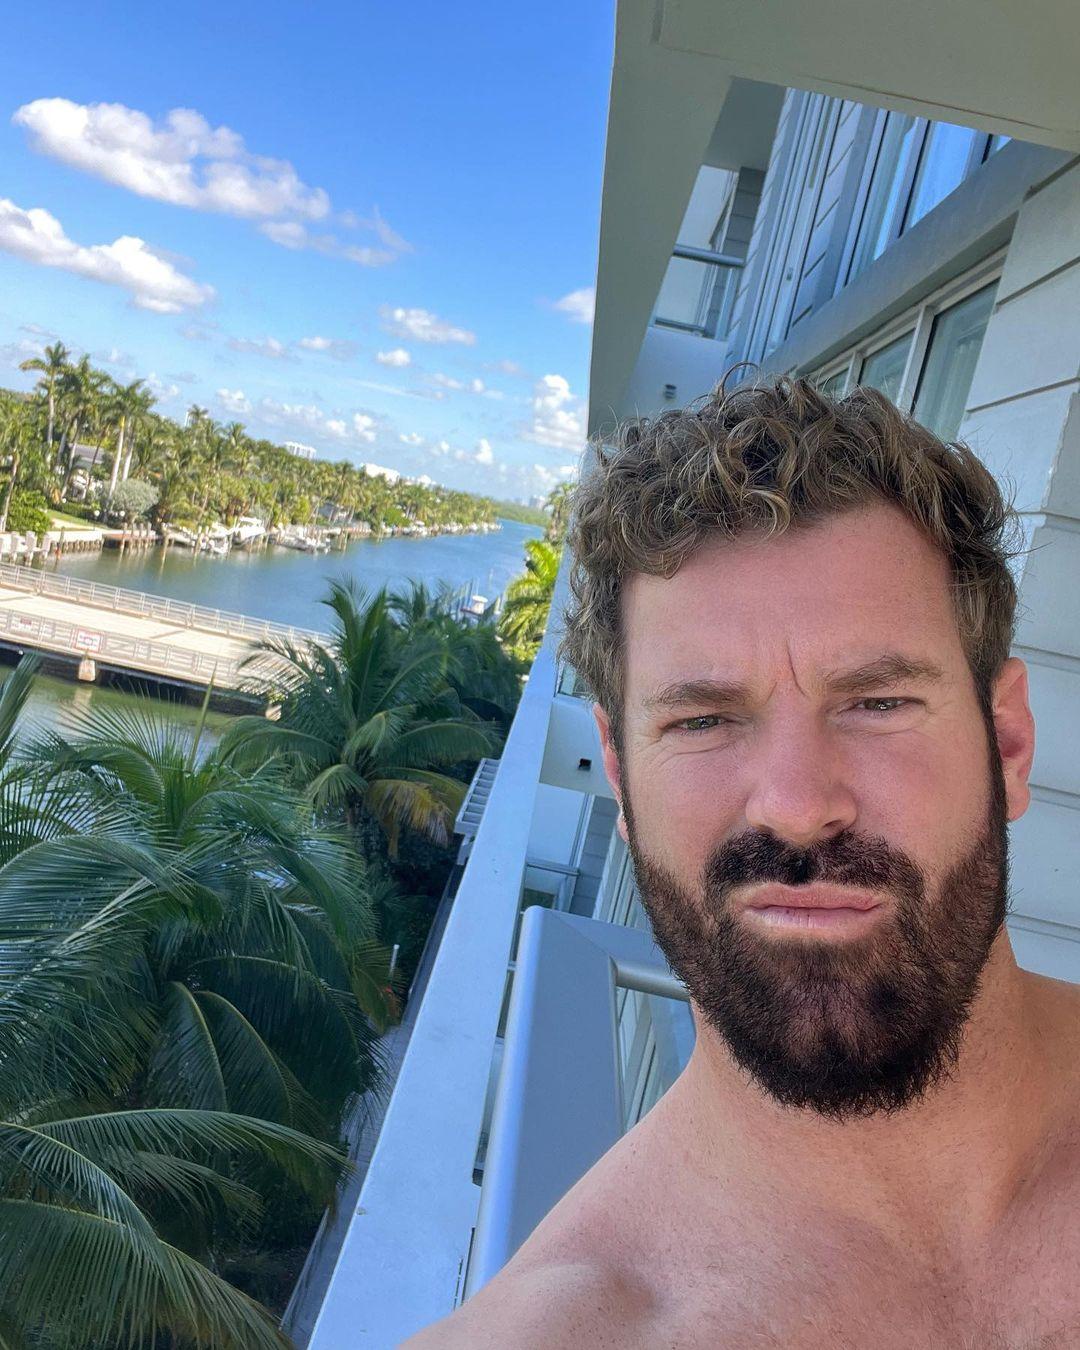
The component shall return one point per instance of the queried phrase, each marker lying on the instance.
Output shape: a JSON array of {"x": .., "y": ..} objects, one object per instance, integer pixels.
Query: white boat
[{"x": 247, "y": 530}]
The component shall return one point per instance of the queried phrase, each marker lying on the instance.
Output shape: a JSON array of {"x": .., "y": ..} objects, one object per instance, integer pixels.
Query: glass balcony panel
[
  {"x": 884, "y": 369},
  {"x": 942, "y": 167},
  {"x": 955, "y": 342},
  {"x": 694, "y": 296}
]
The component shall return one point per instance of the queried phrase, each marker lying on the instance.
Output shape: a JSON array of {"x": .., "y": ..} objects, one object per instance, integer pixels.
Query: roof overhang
[{"x": 687, "y": 90}]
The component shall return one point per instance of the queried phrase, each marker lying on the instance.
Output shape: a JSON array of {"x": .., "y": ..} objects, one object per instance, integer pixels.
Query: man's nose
[{"x": 797, "y": 783}]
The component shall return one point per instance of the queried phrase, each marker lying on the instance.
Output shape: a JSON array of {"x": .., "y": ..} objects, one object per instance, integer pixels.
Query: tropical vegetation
[
  {"x": 83, "y": 437},
  {"x": 201, "y": 941}
]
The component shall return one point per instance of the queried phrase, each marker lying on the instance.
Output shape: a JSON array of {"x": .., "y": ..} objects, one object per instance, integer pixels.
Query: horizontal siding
[{"x": 810, "y": 288}]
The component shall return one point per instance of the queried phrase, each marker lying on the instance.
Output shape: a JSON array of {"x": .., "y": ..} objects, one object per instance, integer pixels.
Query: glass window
[
  {"x": 947, "y": 372},
  {"x": 833, "y": 387},
  {"x": 943, "y": 165},
  {"x": 996, "y": 142},
  {"x": 885, "y": 368},
  {"x": 888, "y": 183}
]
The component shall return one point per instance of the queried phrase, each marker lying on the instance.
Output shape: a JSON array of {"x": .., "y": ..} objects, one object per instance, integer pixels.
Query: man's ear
[
  {"x": 1014, "y": 728},
  {"x": 611, "y": 764}
]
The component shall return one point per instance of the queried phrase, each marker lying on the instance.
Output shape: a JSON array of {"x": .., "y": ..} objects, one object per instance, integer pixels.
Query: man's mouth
[{"x": 818, "y": 907}]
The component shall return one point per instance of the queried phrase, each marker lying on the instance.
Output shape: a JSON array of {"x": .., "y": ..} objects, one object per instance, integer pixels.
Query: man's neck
[{"x": 952, "y": 1162}]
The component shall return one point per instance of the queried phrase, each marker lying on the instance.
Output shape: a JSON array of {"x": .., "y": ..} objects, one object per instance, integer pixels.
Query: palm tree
[
  {"x": 528, "y": 598},
  {"x": 108, "y": 1203},
  {"x": 368, "y": 721},
  {"x": 129, "y": 404},
  {"x": 558, "y": 503},
  {"x": 52, "y": 365},
  {"x": 485, "y": 676}
]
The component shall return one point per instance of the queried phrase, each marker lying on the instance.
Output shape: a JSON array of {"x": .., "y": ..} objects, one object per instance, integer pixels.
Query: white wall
[{"x": 692, "y": 364}]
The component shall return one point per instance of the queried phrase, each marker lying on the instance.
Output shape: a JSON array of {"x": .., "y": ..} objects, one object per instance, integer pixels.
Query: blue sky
[{"x": 370, "y": 227}]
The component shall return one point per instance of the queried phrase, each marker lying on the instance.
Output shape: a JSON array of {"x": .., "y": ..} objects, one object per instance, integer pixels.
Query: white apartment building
[
  {"x": 855, "y": 192},
  {"x": 300, "y": 450}
]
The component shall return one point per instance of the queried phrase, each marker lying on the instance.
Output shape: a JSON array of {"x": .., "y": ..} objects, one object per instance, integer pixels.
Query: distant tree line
[{"x": 191, "y": 475}]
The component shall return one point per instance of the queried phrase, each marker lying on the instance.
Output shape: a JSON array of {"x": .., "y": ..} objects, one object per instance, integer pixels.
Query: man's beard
[{"x": 849, "y": 1028}]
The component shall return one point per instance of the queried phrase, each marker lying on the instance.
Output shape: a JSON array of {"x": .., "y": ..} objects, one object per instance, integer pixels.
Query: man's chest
[{"x": 807, "y": 1285}]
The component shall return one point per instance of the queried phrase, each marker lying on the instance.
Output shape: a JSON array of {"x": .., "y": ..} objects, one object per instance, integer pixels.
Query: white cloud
[
  {"x": 446, "y": 382},
  {"x": 558, "y": 415},
  {"x": 181, "y": 159},
  {"x": 484, "y": 453},
  {"x": 506, "y": 367},
  {"x": 410, "y": 438},
  {"x": 291, "y": 234},
  {"x": 354, "y": 429},
  {"x": 287, "y": 233},
  {"x": 386, "y": 235},
  {"x": 153, "y": 282},
  {"x": 578, "y": 305},
  {"x": 397, "y": 357},
  {"x": 234, "y": 401},
  {"x": 474, "y": 386},
  {"x": 367, "y": 256},
  {"x": 162, "y": 390},
  {"x": 269, "y": 347},
  {"x": 363, "y": 427},
  {"x": 341, "y": 349},
  {"x": 423, "y": 326}
]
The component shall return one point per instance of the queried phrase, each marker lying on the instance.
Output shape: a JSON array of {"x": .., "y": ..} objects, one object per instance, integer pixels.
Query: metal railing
[
  {"x": 144, "y": 605},
  {"x": 138, "y": 654},
  {"x": 698, "y": 290},
  {"x": 559, "y": 1105}
]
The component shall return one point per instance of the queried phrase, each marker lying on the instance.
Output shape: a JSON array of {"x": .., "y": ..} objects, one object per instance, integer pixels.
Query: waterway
[
  {"x": 288, "y": 587},
  {"x": 283, "y": 585}
]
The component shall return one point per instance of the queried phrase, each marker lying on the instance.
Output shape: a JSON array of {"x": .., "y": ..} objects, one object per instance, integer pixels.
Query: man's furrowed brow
[
  {"x": 682, "y": 692},
  {"x": 881, "y": 672},
  {"x": 887, "y": 670}
]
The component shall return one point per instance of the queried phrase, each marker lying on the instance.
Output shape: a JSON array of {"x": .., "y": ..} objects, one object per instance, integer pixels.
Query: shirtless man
[{"x": 796, "y": 617}]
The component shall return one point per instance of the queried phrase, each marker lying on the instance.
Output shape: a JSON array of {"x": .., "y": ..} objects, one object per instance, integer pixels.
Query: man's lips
[
  {"x": 817, "y": 895},
  {"x": 816, "y": 906}
]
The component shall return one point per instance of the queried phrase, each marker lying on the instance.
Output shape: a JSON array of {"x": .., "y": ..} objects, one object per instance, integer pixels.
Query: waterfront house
[{"x": 824, "y": 189}]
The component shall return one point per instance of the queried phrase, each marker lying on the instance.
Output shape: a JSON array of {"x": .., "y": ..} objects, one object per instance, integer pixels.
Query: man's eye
[
  {"x": 877, "y": 710},
  {"x": 697, "y": 724}
]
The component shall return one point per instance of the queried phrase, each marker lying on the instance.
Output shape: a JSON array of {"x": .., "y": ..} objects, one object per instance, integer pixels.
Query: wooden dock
[{"x": 131, "y": 632}]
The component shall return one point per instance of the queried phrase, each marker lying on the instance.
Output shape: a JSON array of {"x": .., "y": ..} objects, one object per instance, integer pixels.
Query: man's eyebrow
[{"x": 883, "y": 671}]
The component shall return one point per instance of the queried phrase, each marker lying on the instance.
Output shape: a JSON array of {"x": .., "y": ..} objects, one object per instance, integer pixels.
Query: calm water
[
  {"x": 288, "y": 586},
  {"x": 279, "y": 584}
]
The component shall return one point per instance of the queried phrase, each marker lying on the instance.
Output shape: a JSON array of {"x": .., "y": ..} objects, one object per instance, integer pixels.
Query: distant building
[
  {"x": 377, "y": 471},
  {"x": 300, "y": 450}
]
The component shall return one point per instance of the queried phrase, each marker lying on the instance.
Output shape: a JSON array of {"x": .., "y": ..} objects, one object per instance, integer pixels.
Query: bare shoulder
[
  {"x": 554, "y": 1305},
  {"x": 579, "y": 1279}
]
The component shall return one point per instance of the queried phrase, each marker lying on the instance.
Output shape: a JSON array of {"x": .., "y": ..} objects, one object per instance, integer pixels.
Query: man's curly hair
[{"x": 770, "y": 456}]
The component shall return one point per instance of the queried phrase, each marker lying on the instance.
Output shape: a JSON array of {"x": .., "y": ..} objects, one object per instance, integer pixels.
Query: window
[
  {"x": 943, "y": 165},
  {"x": 955, "y": 341},
  {"x": 888, "y": 184},
  {"x": 885, "y": 368},
  {"x": 915, "y": 166},
  {"x": 833, "y": 386}
]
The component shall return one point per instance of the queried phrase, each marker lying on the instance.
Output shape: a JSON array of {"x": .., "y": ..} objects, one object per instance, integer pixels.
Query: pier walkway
[{"x": 132, "y": 631}]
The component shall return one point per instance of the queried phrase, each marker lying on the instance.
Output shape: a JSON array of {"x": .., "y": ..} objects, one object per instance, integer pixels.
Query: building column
[{"x": 1023, "y": 420}]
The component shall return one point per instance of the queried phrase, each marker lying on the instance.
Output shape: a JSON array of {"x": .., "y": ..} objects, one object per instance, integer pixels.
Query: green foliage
[
  {"x": 190, "y": 994},
  {"x": 528, "y": 599},
  {"x": 371, "y": 720},
  {"x": 527, "y": 515},
  {"x": 29, "y": 511},
  {"x": 133, "y": 498}
]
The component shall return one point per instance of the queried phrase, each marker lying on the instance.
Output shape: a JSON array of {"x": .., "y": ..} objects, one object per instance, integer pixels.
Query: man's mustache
[{"x": 847, "y": 859}]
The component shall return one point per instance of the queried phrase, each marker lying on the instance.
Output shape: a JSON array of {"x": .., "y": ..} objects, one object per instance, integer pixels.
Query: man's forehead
[{"x": 827, "y": 598}]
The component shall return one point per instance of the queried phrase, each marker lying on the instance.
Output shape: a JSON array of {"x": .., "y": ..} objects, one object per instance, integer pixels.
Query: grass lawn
[{"x": 73, "y": 522}]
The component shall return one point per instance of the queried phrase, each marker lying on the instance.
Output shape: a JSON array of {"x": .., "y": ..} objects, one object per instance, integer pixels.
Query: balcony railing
[{"x": 698, "y": 291}]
